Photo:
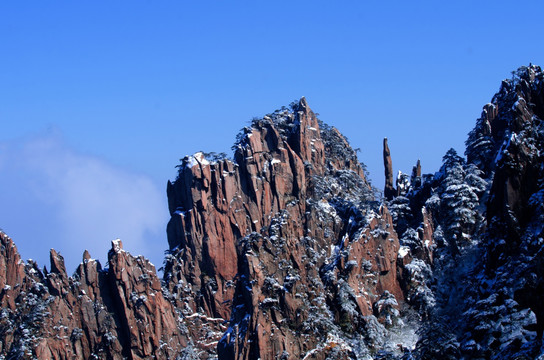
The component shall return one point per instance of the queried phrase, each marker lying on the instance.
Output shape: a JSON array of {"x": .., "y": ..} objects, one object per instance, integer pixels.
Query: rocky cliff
[
  {"x": 112, "y": 313},
  {"x": 285, "y": 242},
  {"x": 485, "y": 284},
  {"x": 286, "y": 252}
]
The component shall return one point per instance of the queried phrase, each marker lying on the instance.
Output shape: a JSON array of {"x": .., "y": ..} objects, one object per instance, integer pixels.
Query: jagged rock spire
[
  {"x": 389, "y": 190},
  {"x": 415, "y": 180}
]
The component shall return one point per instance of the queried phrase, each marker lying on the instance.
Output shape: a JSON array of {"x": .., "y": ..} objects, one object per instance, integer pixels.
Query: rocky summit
[{"x": 286, "y": 251}]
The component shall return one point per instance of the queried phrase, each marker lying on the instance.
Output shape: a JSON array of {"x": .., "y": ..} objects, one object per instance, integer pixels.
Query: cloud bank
[{"x": 54, "y": 197}]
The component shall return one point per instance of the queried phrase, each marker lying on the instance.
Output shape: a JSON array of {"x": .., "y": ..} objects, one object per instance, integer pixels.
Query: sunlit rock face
[
  {"x": 286, "y": 241},
  {"x": 116, "y": 312},
  {"x": 286, "y": 251}
]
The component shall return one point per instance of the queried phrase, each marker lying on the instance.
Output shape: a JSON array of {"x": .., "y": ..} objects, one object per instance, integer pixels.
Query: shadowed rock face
[{"x": 512, "y": 126}]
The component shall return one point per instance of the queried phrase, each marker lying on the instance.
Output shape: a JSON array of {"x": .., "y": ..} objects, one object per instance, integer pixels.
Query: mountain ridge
[{"x": 286, "y": 251}]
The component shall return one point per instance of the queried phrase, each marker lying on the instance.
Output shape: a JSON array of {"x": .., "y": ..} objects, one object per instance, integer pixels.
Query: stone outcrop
[
  {"x": 252, "y": 239},
  {"x": 506, "y": 144},
  {"x": 388, "y": 190},
  {"x": 415, "y": 179},
  {"x": 113, "y": 313},
  {"x": 518, "y": 164}
]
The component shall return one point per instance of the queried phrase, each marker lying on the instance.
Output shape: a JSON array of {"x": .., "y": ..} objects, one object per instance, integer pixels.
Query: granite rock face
[
  {"x": 281, "y": 241},
  {"x": 114, "y": 313}
]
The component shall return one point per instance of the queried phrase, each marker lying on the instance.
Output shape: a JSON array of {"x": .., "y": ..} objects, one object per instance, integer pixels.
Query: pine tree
[{"x": 456, "y": 199}]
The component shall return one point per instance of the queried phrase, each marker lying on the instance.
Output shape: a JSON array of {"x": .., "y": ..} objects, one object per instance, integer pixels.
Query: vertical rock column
[{"x": 388, "y": 191}]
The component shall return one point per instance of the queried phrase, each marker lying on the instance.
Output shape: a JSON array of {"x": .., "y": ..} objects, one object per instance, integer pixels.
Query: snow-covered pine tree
[{"x": 457, "y": 198}]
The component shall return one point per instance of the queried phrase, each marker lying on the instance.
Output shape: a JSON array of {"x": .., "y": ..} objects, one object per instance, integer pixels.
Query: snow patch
[
  {"x": 117, "y": 245},
  {"x": 403, "y": 251},
  {"x": 196, "y": 159}
]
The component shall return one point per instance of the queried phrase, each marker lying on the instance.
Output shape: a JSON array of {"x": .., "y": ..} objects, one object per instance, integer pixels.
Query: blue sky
[{"x": 99, "y": 100}]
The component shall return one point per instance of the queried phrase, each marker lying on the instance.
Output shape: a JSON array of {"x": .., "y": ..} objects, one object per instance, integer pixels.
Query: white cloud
[{"x": 53, "y": 197}]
